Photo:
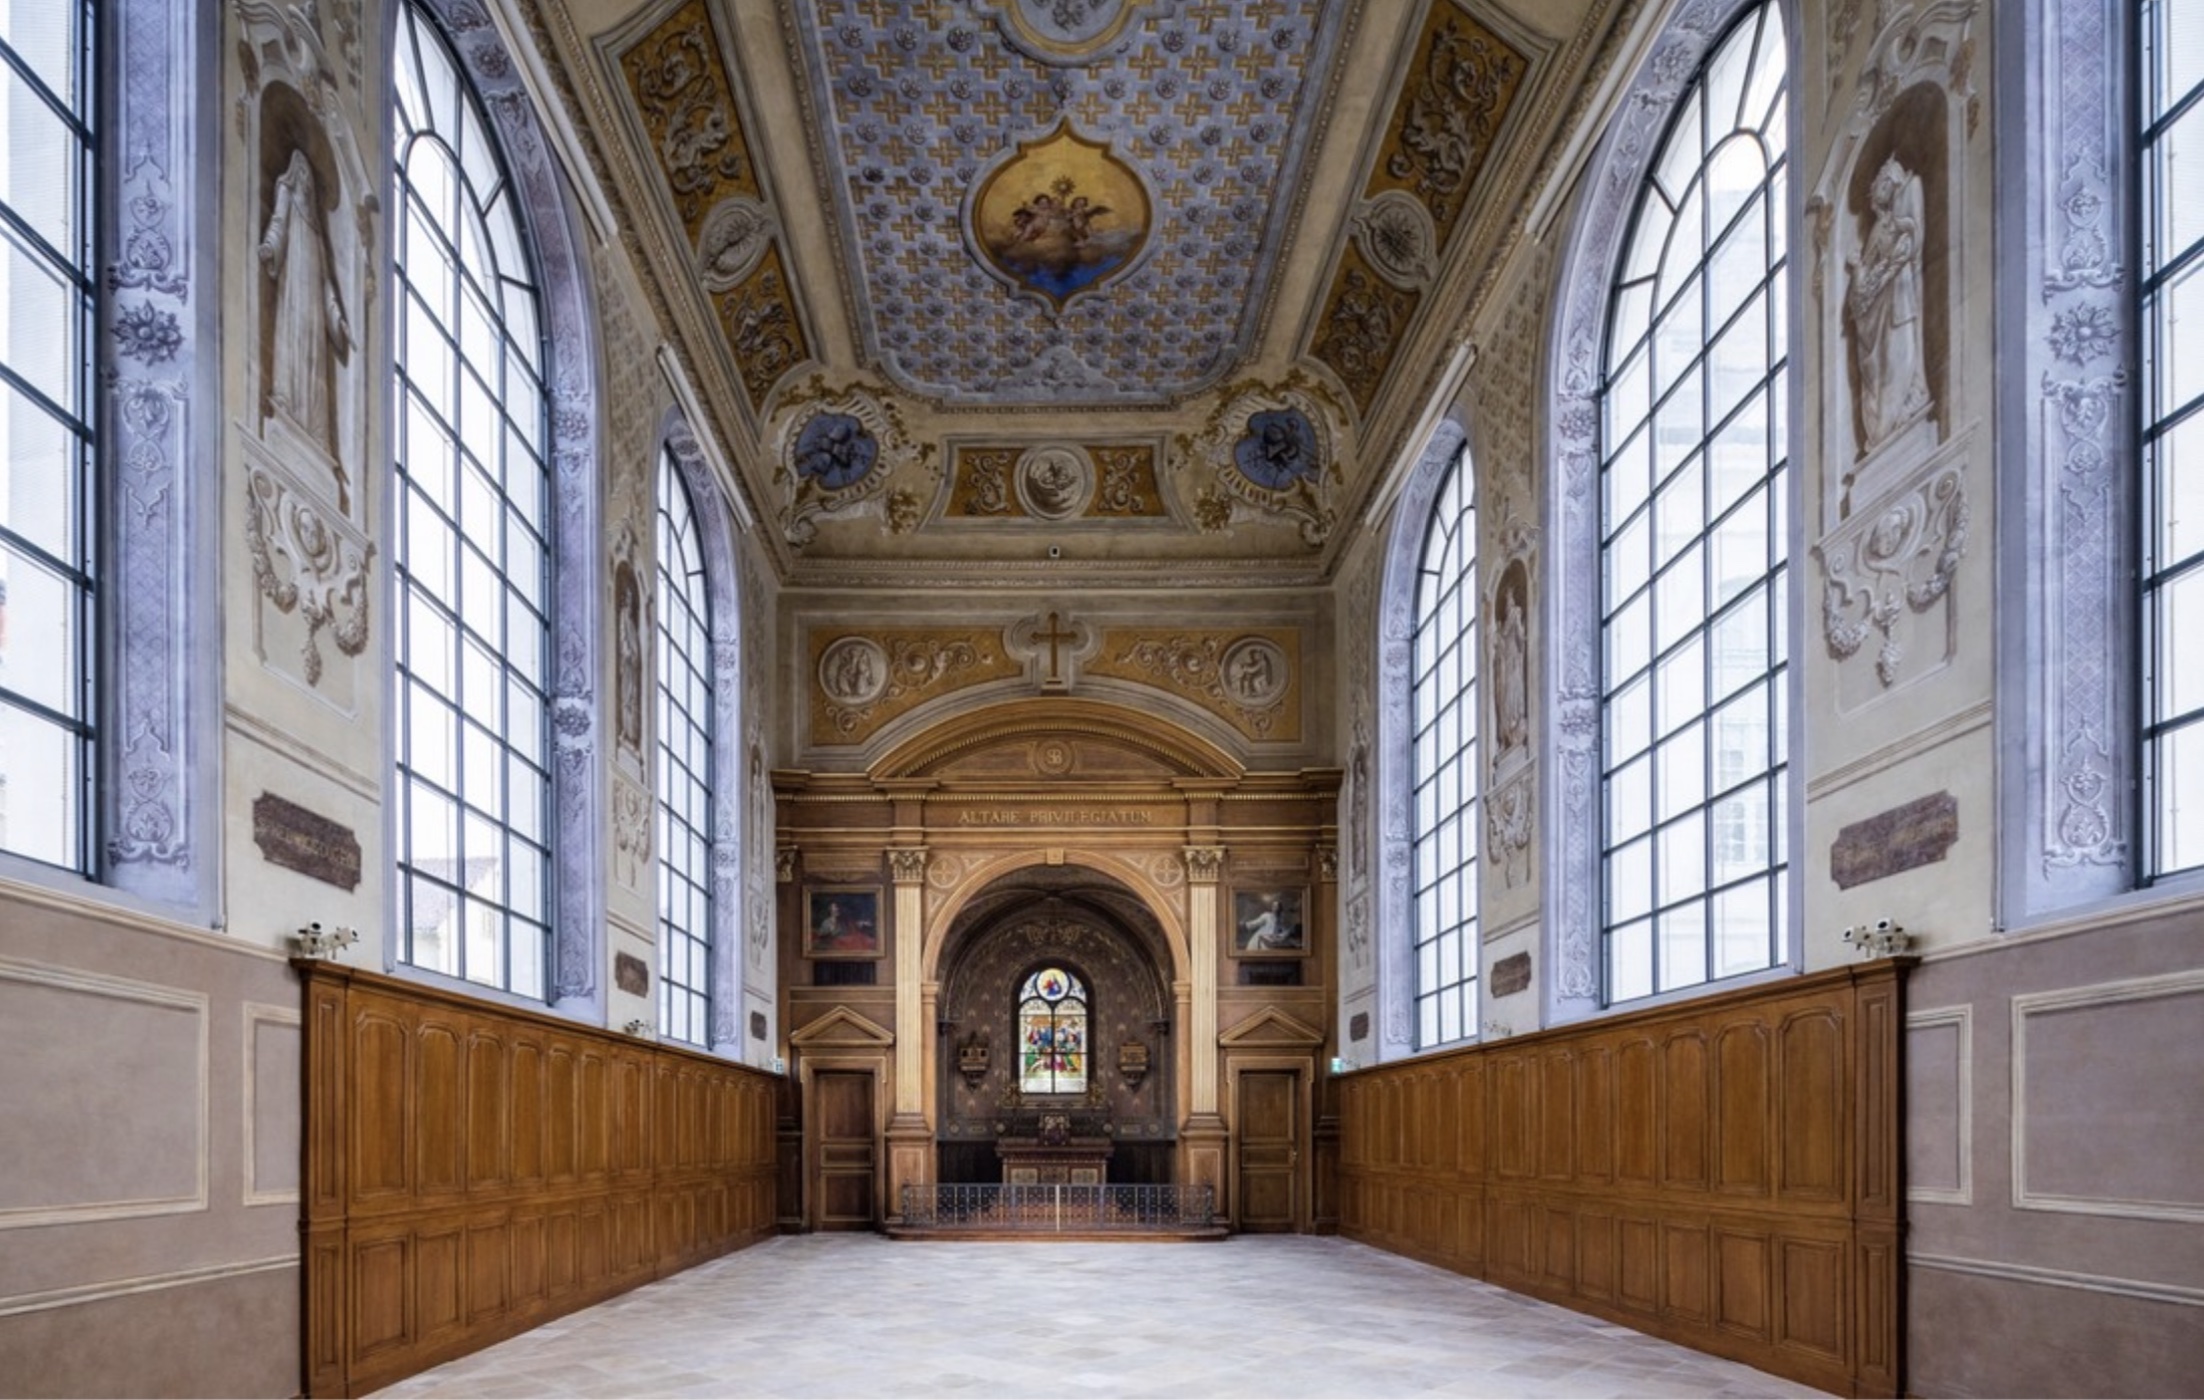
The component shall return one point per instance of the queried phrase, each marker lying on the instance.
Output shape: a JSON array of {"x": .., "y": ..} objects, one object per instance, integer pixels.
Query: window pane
[
  {"x": 474, "y": 643},
  {"x": 684, "y": 767},
  {"x": 47, "y": 440},
  {"x": 2172, "y": 468},
  {"x": 1713, "y": 617},
  {"x": 1445, "y": 758}
]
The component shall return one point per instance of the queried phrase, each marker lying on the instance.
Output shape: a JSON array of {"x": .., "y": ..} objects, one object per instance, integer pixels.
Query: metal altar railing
[{"x": 1059, "y": 1209}]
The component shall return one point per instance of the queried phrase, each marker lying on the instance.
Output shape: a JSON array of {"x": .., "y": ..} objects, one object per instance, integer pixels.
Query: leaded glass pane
[
  {"x": 1693, "y": 570},
  {"x": 472, "y": 566},
  {"x": 1052, "y": 1033}
]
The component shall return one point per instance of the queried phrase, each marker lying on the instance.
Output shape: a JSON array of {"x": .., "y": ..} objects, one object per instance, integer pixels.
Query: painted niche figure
[
  {"x": 1884, "y": 305},
  {"x": 627, "y": 606},
  {"x": 1511, "y": 654},
  {"x": 310, "y": 332}
]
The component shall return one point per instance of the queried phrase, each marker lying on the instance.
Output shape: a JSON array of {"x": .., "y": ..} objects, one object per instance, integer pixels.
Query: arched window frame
[
  {"x": 1394, "y": 920},
  {"x": 570, "y": 449},
  {"x": 716, "y": 543},
  {"x": 1446, "y": 763},
  {"x": 1644, "y": 113},
  {"x": 149, "y": 798}
]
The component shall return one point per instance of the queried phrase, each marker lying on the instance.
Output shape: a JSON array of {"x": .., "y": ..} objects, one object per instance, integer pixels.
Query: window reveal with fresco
[{"x": 1052, "y": 1033}]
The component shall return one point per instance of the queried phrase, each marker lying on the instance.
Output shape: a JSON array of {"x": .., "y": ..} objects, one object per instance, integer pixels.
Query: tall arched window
[
  {"x": 473, "y": 562},
  {"x": 1694, "y": 523},
  {"x": 686, "y": 712},
  {"x": 2170, "y": 85},
  {"x": 1444, "y": 763},
  {"x": 48, "y": 442},
  {"x": 1052, "y": 1033}
]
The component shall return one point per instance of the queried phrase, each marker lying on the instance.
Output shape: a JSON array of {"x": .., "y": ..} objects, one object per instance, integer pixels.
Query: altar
[{"x": 1053, "y": 1156}]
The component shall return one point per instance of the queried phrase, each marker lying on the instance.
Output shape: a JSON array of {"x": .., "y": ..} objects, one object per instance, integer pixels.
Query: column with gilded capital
[{"x": 1203, "y": 1141}]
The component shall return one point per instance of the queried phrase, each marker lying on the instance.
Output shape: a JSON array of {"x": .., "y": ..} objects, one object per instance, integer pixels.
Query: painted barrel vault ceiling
[{"x": 999, "y": 290}]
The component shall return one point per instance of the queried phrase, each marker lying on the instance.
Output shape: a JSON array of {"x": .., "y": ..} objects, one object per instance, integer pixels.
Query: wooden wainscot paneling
[
  {"x": 1725, "y": 1173},
  {"x": 473, "y": 1171}
]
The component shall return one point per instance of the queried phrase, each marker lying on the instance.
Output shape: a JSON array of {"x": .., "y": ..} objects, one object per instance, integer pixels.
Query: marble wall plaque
[
  {"x": 757, "y": 1025},
  {"x": 1511, "y": 974},
  {"x": 296, "y": 839},
  {"x": 1358, "y": 1028},
  {"x": 631, "y": 974},
  {"x": 1918, "y": 833}
]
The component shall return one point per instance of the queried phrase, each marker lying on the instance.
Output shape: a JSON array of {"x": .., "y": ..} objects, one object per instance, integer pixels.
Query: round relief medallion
[
  {"x": 853, "y": 671},
  {"x": 1053, "y": 757},
  {"x": 1253, "y": 672},
  {"x": 1054, "y": 483}
]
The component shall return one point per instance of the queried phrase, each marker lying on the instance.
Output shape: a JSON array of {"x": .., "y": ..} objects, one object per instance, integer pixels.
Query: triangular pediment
[
  {"x": 842, "y": 1028},
  {"x": 1271, "y": 1027}
]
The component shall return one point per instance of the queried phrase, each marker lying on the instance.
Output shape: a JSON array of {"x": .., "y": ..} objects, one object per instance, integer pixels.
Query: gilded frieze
[
  {"x": 1084, "y": 481},
  {"x": 1249, "y": 678},
  {"x": 1457, "y": 93},
  {"x": 762, "y": 327},
  {"x": 860, "y": 681},
  {"x": 1361, "y": 327},
  {"x": 687, "y": 104}
]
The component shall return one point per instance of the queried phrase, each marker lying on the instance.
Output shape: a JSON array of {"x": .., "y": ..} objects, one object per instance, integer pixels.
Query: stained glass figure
[{"x": 1052, "y": 1033}]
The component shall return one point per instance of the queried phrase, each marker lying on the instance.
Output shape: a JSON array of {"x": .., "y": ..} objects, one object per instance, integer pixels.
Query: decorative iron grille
[{"x": 1057, "y": 1209}]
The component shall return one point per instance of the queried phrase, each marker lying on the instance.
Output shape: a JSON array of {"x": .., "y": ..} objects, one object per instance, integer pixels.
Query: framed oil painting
[
  {"x": 1267, "y": 922},
  {"x": 842, "y": 921}
]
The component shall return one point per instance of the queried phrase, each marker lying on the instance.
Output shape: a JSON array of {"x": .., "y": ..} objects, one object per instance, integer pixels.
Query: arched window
[
  {"x": 1694, "y": 523},
  {"x": 2171, "y": 290},
  {"x": 1444, "y": 757},
  {"x": 686, "y": 715},
  {"x": 1052, "y": 1033},
  {"x": 49, "y": 296},
  {"x": 472, "y": 528}
]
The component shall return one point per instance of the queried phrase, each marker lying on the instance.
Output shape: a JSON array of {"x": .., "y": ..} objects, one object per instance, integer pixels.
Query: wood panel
[
  {"x": 475, "y": 1171},
  {"x": 1724, "y": 1173}
]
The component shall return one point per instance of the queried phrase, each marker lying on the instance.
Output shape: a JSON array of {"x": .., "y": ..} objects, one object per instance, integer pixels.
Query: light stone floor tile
[{"x": 1278, "y": 1317}]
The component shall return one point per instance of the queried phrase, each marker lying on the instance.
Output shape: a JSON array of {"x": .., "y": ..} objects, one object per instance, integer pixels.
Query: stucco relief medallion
[
  {"x": 1254, "y": 672},
  {"x": 1053, "y": 758},
  {"x": 1396, "y": 236},
  {"x": 853, "y": 671},
  {"x": 1055, "y": 483},
  {"x": 1065, "y": 32},
  {"x": 734, "y": 237}
]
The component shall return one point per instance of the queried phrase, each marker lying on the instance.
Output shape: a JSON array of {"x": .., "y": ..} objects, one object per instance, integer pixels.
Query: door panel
[
  {"x": 1270, "y": 1157},
  {"x": 845, "y": 1170}
]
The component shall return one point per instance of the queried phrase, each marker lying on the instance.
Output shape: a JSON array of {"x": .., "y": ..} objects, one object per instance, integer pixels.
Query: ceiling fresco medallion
[{"x": 1059, "y": 217}]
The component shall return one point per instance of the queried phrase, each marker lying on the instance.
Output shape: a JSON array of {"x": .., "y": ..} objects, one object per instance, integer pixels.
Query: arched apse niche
[
  {"x": 1097, "y": 928},
  {"x": 1585, "y": 283},
  {"x": 731, "y": 876},
  {"x": 573, "y": 426},
  {"x": 1396, "y": 901}
]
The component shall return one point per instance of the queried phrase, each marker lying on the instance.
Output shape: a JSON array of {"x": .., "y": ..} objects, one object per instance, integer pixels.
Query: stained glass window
[
  {"x": 1052, "y": 1033},
  {"x": 1695, "y": 520}
]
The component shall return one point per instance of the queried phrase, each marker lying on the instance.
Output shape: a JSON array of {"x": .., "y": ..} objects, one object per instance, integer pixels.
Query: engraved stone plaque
[
  {"x": 757, "y": 1025},
  {"x": 296, "y": 839},
  {"x": 1511, "y": 974},
  {"x": 1358, "y": 1027},
  {"x": 631, "y": 974},
  {"x": 1918, "y": 833}
]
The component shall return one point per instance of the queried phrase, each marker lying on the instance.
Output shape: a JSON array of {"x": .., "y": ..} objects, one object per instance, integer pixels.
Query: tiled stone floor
[{"x": 857, "y": 1315}]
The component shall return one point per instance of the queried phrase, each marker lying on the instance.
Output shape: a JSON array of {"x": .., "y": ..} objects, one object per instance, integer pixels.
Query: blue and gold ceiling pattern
[{"x": 1121, "y": 295}]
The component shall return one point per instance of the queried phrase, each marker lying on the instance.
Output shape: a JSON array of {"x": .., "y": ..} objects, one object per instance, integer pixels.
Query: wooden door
[
  {"x": 1270, "y": 1150},
  {"x": 844, "y": 1170}
]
